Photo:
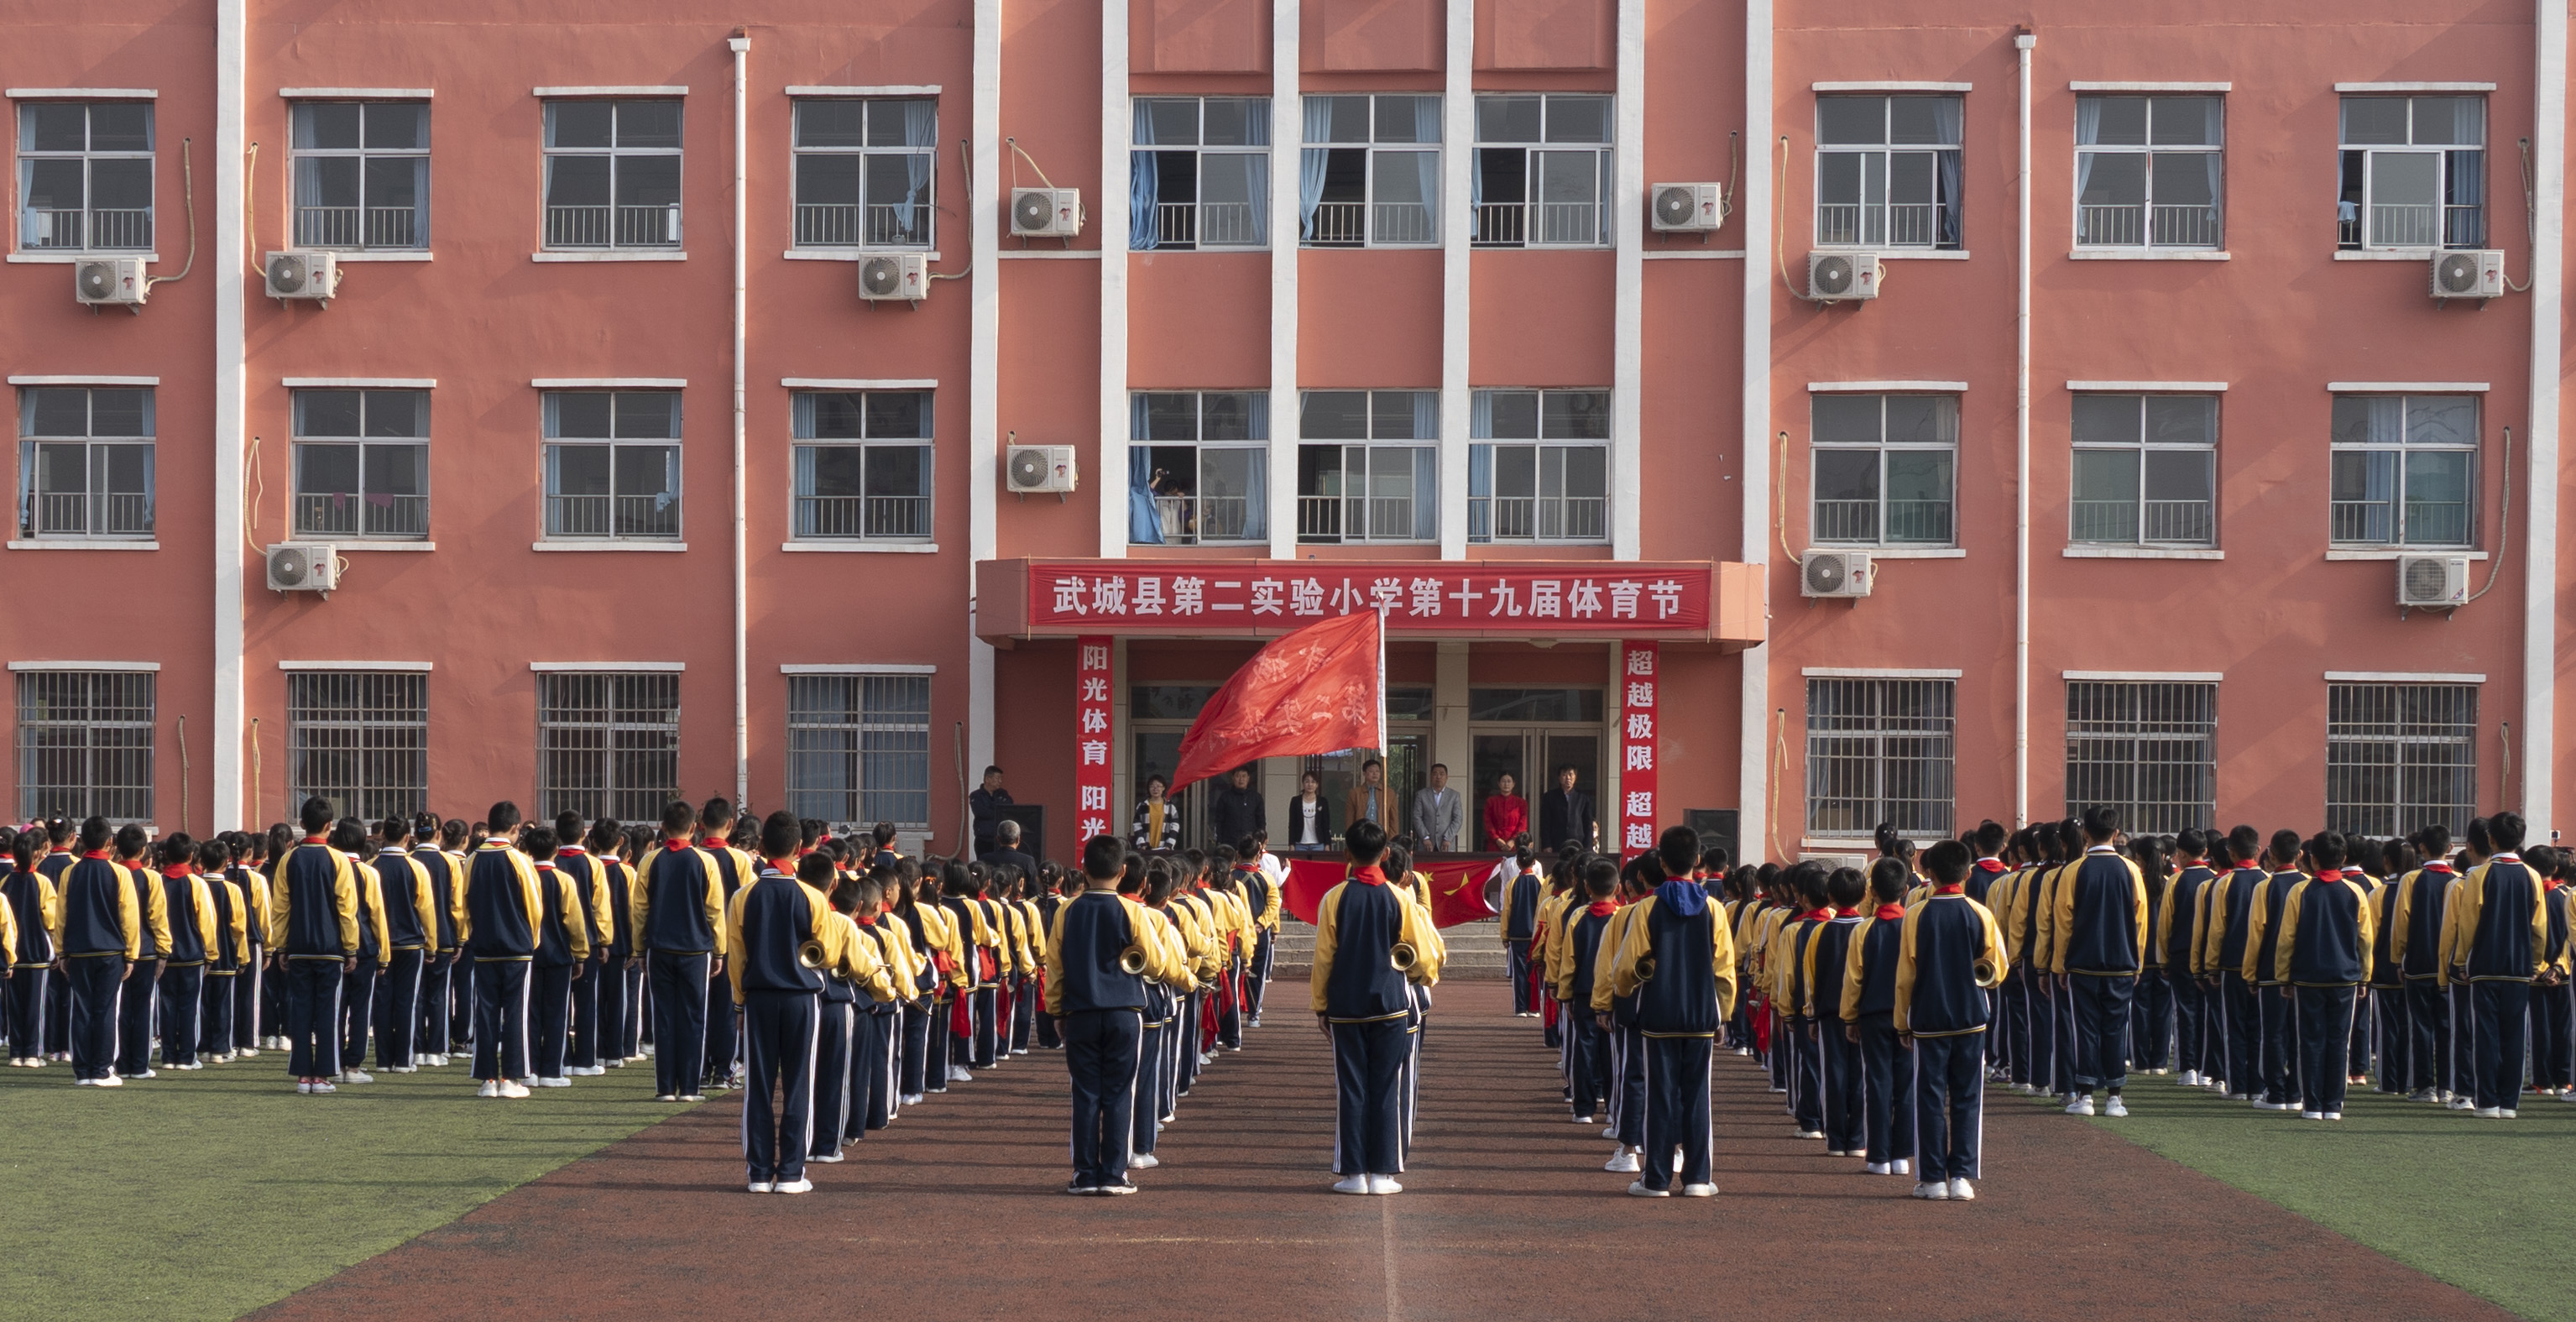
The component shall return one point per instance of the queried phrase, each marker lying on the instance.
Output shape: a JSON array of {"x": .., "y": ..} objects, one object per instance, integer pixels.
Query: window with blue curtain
[
  {"x": 1370, "y": 172},
  {"x": 1888, "y": 171},
  {"x": 1368, "y": 465},
  {"x": 2147, "y": 171},
  {"x": 1206, "y": 459},
  {"x": 2413, "y": 172},
  {"x": 865, "y": 172}
]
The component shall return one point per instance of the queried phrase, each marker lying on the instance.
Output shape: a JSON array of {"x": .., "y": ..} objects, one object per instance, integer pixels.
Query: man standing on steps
[
  {"x": 1439, "y": 815},
  {"x": 1362, "y": 1002}
]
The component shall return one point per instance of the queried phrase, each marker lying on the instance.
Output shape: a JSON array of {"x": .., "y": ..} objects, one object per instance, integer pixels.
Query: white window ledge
[
  {"x": 383, "y": 546},
  {"x": 409, "y": 667},
  {"x": 2384, "y": 254},
  {"x": 362, "y": 382},
  {"x": 1077, "y": 254},
  {"x": 854, "y": 254},
  {"x": 1904, "y": 552},
  {"x": 2151, "y": 676},
  {"x": 2149, "y": 255},
  {"x": 83, "y": 544},
  {"x": 606, "y": 544},
  {"x": 82, "y": 93},
  {"x": 125, "y": 666},
  {"x": 2082, "y": 86},
  {"x": 855, "y": 668},
  {"x": 386, "y": 255},
  {"x": 2143, "y": 553},
  {"x": 865, "y": 547},
  {"x": 1868, "y": 672},
  {"x": 608, "y": 667},
  {"x": 2391, "y": 553},
  {"x": 1690, "y": 255},
  {"x": 633, "y": 255},
  {"x": 1901, "y": 254},
  {"x": 356, "y": 93},
  {"x": 58, "y": 258},
  {"x": 2400, "y": 677},
  {"x": 84, "y": 380}
]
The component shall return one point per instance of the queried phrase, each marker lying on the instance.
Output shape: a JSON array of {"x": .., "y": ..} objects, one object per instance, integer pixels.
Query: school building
[{"x": 1914, "y": 417}]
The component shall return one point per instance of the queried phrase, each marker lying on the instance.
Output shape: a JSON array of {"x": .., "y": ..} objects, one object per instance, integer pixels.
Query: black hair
[
  {"x": 716, "y": 813},
  {"x": 2149, "y": 851},
  {"x": 539, "y": 842},
  {"x": 349, "y": 835},
  {"x": 1887, "y": 877},
  {"x": 213, "y": 855},
  {"x": 177, "y": 848},
  {"x": 2327, "y": 849},
  {"x": 1678, "y": 849},
  {"x": 394, "y": 830},
  {"x": 569, "y": 826},
  {"x": 131, "y": 838},
  {"x": 503, "y": 817},
  {"x": 882, "y": 833},
  {"x": 1989, "y": 836},
  {"x": 1807, "y": 879},
  {"x": 2244, "y": 843},
  {"x": 1947, "y": 861},
  {"x": 678, "y": 818},
  {"x": 816, "y": 870},
  {"x": 605, "y": 835},
  {"x": 2505, "y": 831},
  {"x": 2434, "y": 839},
  {"x": 778, "y": 834},
  {"x": 1845, "y": 887},
  {"x": 316, "y": 815},
  {"x": 1884, "y": 836},
  {"x": 1600, "y": 876},
  {"x": 2192, "y": 843},
  {"x": 1714, "y": 860},
  {"x": 1364, "y": 841},
  {"x": 2101, "y": 822},
  {"x": 2286, "y": 845},
  {"x": 1103, "y": 857}
]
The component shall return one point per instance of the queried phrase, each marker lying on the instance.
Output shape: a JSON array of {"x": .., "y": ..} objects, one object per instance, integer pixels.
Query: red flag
[
  {"x": 1457, "y": 887},
  {"x": 1319, "y": 690}
]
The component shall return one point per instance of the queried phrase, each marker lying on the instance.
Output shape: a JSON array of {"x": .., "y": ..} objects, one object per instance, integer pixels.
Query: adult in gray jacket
[{"x": 1439, "y": 814}]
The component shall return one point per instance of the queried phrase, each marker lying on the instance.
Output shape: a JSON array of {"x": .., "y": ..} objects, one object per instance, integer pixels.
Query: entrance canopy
[{"x": 1672, "y": 601}]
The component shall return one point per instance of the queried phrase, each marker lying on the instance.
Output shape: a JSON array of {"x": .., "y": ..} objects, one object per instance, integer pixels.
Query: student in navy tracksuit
[
  {"x": 2178, "y": 960},
  {"x": 1677, "y": 958},
  {"x": 1827, "y": 958},
  {"x": 432, "y": 841},
  {"x": 98, "y": 927},
  {"x": 2323, "y": 959},
  {"x": 1587, "y": 1057},
  {"x": 2099, "y": 945},
  {"x": 54, "y": 858},
  {"x": 1520, "y": 923},
  {"x": 30, "y": 897},
  {"x": 767, "y": 923},
  {"x": 410, "y": 918},
  {"x": 735, "y": 867},
  {"x": 1948, "y": 948},
  {"x": 2553, "y": 997},
  {"x": 2391, "y": 1023},
  {"x": 588, "y": 876},
  {"x": 1806, "y": 1074},
  {"x": 2499, "y": 930},
  {"x": 1363, "y": 1002},
  {"x": 679, "y": 906},
  {"x": 2275, "y": 1086},
  {"x": 873, "y": 1064},
  {"x": 2229, "y": 922},
  {"x": 1098, "y": 1007},
  {"x": 561, "y": 961},
  {"x": 141, "y": 998},
  {"x": 503, "y": 911},
  {"x": 359, "y": 983},
  {"x": 313, "y": 920},
  {"x": 194, "y": 940},
  {"x": 620, "y": 965},
  {"x": 1869, "y": 1022}
]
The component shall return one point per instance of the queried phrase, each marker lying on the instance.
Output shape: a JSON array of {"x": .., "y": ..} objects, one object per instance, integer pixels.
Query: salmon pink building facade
[{"x": 1786, "y": 422}]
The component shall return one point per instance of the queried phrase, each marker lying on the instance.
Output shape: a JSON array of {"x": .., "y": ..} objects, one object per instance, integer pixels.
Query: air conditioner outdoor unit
[
  {"x": 1835, "y": 276},
  {"x": 303, "y": 273},
  {"x": 1834, "y": 574},
  {"x": 1046, "y": 213},
  {"x": 2434, "y": 581},
  {"x": 303, "y": 567},
  {"x": 895, "y": 277},
  {"x": 2473, "y": 274},
  {"x": 1039, "y": 469},
  {"x": 1688, "y": 208},
  {"x": 110, "y": 280}
]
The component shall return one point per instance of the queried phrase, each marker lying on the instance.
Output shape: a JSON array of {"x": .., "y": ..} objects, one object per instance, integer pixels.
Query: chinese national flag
[{"x": 1319, "y": 690}]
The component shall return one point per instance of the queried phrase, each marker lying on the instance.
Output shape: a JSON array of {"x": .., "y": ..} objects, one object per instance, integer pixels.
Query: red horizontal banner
[
  {"x": 1457, "y": 887},
  {"x": 1417, "y": 596}
]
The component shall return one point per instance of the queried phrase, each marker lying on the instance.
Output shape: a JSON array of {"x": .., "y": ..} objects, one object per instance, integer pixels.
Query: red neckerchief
[
  {"x": 1602, "y": 908},
  {"x": 1990, "y": 863},
  {"x": 2437, "y": 865},
  {"x": 2330, "y": 874},
  {"x": 1888, "y": 913},
  {"x": 1956, "y": 888},
  {"x": 1851, "y": 912},
  {"x": 784, "y": 867},
  {"x": 1814, "y": 915},
  {"x": 2506, "y": 857},
  {"x": 316, "y": 839},
  {"x": 868, "y": 921},
  {"x": 97, "y": 853},
  {"x": 178, "y": 870},
  {"x": 1367, "y": 874}
]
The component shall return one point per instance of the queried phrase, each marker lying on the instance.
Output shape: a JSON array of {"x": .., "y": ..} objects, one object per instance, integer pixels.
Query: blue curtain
[
  {"x": 1144, "y": 185},
  {"x": 1144, "y": 526},
  {"x": 1946, "y": 125},
  {"x": 920, "y": 129},
  {"x": 1310, "y": 164}
]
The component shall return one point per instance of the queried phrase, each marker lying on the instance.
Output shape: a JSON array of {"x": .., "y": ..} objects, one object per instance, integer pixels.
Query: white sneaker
[
  {"x": 763, "y": 1186},
  {"x": 686, "y": 1097},
  {"x": 910, "y": 1099},
  {"x": 2508, "y": 1114},
  {"x": 1351, "y": 1184},
  {"x": 1638, "y": 1189},
  {"x": 798, "y": 1185},
  {"x": 1811, "y": 1133},
  {"x": 2261, "y": 1105},
  {"x": 513, "y": 1088},
  {"x": 1143, "y": 1161},
  {"x": 666, "y": 1097},
  {"x": 490, "y": 1088},
  {"x": 1877, "y": 1168},
  {"x": 2334, "y": 1115},
  {"x": 1699, "y": 1191},
  {"x": 1903, "y": 1166},
  {"x": 402, "y": 1069},
  {"x": 2490, "y": 1113},
  {"x": 1583, "y": 1120},
  {"x": 2312, "y": 1115},
  {"x": 1934, "y": 1190},
  {"x": 2190, "y": 1078},
  {"x": 2113, "y": 1107},
  {"x": 146, "y": 1074},
  {"x": 558, "y": 1081},
  {"x": 1609, "y": 1131},
  {"x": 1625, "y": 1163},
  {"x": 355, "y": 1076},
  {"x": 1961, "y": 1191},
  {"x": 1384, "y": 1184},
  {"x": 323, "y": 1087},
  {"x": 958, "y": 1074}
]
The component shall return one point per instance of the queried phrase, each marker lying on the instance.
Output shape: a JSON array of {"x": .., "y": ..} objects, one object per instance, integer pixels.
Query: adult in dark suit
[
  {"x": 985, "y": 807},
  {"x": 1238, "y": 810},
  {"x": 1565, "y": 813},
  {"x": 1006, "y": 849}
]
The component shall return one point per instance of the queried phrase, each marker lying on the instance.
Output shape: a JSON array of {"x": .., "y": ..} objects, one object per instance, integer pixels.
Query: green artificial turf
[
  {"x": 2481, "y": 1204},
  {"x": 211, "y": 1193}
]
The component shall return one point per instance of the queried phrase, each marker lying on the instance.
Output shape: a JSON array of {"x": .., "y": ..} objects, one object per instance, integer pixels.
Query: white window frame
[
  {"x": 611, "y": 728},
  {"x": 1576, "y": 520},
  {"x": 1877, "y": 731},
  {"x": 1817, "y": 447},
  {"x": 310, "y": 228},
  {"x": 553, "y": 228},
  {"x": 2360, "y": 231},
  {"x": 1506, "y": 224},
  {"x": 97, "y": 511},
  {"x": 2146, "y": 446},
  {"x": 1190, "y": 518},
  {"x": 2153, "y": 233},
  {"x": 1183, "y": 226},
  {"x": 28, "y": 155},
  {"x": 1830, "y": 234},
  {"x": 2400, "y": 533},
  {"x": 676, "y": 470},
  {"x": 1325, "y": 519},
  {"x": 95, "y": 731},
  {"x": 804, "y": 523},
  {"x": 856, "y": 720},
  {"x": 2413, "y": 746},
  {"x": 817, "y": 231},
  {"x": 366, "y": 442},
  {"x": 1332, "y": 229},
  {"x": 368, "y": 722}
]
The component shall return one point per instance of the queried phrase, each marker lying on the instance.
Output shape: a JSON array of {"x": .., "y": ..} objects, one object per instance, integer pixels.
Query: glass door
[
  {"x": 1157, "y": 751},
  {"x": 1532, "y": 756}
]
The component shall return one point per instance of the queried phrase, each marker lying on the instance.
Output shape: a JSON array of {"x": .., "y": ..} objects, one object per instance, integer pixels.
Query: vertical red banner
[
  {"x": 1091, "y": 753},
  {"x": 1637, "y": 701}
]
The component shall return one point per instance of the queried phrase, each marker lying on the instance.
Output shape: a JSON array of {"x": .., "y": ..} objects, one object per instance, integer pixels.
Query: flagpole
[{"x": 1381, "y": 684}]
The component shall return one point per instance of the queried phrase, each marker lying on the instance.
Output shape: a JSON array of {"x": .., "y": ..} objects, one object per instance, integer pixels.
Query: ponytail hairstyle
[{"x": 1887, "y": 839}]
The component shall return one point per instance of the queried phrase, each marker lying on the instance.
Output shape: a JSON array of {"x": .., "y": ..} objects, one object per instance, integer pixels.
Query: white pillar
[
  {"x": 1755, "y": 206},
  {"x": 1115, "y": 136},
  {"x": 1457, "y": 230},
  {"x": 983, "y": 372},
  {"x": 232, "y": 786},
  {"x": 2540, "y": 563},
  {"x": 1287, "y": 154},
  {"x": 1628, "y": 286}
]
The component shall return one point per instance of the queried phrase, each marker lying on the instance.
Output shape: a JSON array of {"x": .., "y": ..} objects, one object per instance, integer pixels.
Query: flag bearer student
[
  {"x": 134, "y": 1028},
  {"x": 1362, "y": 1001},
  {"x": 32, "y": 901},
  {"x": 766, "y": 924},
  {"x": 1821, "y": 970},
  {"x": 2498, "y": 927},
  {"x": 225, "y": 958},
  {"x": 504, "y": 909},
  {"x": 98, "y": 927},
  {"x": 2392, "y": 1024},
  {"x": 1588, "y": 1056},
  {"x": 2553, "y": 998},
  {"x": 588, "y": 874},
  {"x": 1868, "y": 1014},
  {"x": 621, "y": 964},
  {"x": 2322, "y": 957},
  {"x": 1948, "y": 948},
  {"x": 2226, "y": 923},
  {"x": 358, "y": 986},
  {"x": 2100, "y": 944},
  {"x": 1678, "y": 959},
  {"x": 733, "y": 864},
  {"x": 857, "y": 974},
  {"x": 874, "y": 1062},
  {"x": 679, "y": 906},
  {"x": 1099, "y": 1008},
  {"x": 313, "y": 927},
  {"x": 560, "y": 962},
  {"x": 2180, "y": 957},
  {"x": 411, "y": 915},
  {"x": 195, "y": 935},
  {"x": 2274, "y": 1086},
  {"x": 1626, "y": 1048}
]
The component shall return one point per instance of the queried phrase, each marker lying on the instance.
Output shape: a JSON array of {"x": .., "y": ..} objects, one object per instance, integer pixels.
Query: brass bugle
[
  {"x": 1403, "y": 955},
  {"x": 811, "y": 955},
  {"x": 1131, "y": 961},
  {"x": 1645, "y": 968},
  {"x": 1984, "y": 970}
]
